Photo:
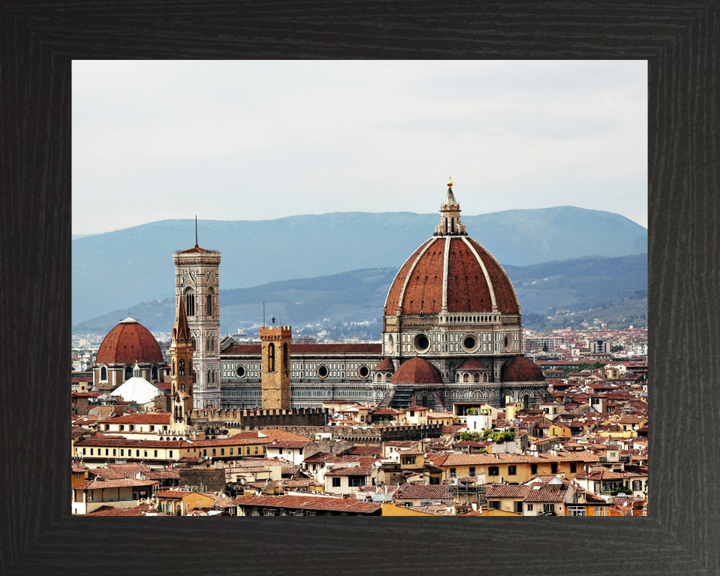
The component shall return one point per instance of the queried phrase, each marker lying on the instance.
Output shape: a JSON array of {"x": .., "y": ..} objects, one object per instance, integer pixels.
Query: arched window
[
  {"x": 181, "y": 368},
  {"x": 193, "y": 343},
  {"x": 174, "y": 370},
  {"x": 209, "y": 303},
  {"x": 190, "y": 303},
  {"x": 103, "y": 373},
  {"x": 526, "y": 402},
  {"x": 286, "y": 358},
  {"x": 154, "y": 373},
  {"x": 194, "y": 376},
  {"x": 271, "y": 357},
  {"x": 128, "y": 372}
]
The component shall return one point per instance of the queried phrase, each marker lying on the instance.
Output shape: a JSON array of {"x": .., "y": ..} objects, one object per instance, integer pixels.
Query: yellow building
[
  {"x": 514, "y": 468},
  {"x": 179, "y": 502}
]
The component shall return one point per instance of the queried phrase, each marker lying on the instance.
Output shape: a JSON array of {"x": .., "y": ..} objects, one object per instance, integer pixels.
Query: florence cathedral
[{"x": 452, "y": 333}]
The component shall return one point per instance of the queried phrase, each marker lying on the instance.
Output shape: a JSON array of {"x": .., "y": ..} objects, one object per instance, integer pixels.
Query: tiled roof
[
  {"x": 507, "y": 491},
  {"x": 385, "y": 365},
  {"x": 288, "y": 443},
  {"x": 423, "y": 491},
  {"x": 545, "y": 494},
  {"x": 421, "y": 277},
  {"x": 140, "y": 510},
  {"x": 197, "y": 250},
  {"x": 173, "y": 494},
  {"x": 317, "y": 503},
  {"x": 521, "y": 369},
  {"x": 311, "y": 349},
  {"x": 472, "y": 364},
  {"x": 417, "y": 371},
  {"x": 151, "y": 418},
  {"x": 127, "y": 343},
  {"x": 365, "y": 450},
  {"x": 351, "y": 471},
  {"x": 97, "y": 483}
]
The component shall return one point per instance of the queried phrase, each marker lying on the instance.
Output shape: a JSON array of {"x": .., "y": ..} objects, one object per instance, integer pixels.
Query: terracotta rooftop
[
  {"x": 417, "y": 371},
  {"x": 127, "y": 343},
  {"x": 315, "y": 503},
  {"x": 521, "y": 369}
]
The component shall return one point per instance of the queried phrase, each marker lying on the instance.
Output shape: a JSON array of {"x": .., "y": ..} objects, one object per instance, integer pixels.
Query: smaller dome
[
  {"x": 129, "y": 342},
  {"x": 385, "y": 366},
  {"x": 471, "y": 364},
  {"x": 521, "y": 369},
  {"x": 416, "y": 371}
]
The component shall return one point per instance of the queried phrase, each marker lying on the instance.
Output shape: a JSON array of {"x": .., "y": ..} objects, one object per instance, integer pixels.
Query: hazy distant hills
[
  {"x": 617, "y": 287},
  {"x": 116, "y": 270}
]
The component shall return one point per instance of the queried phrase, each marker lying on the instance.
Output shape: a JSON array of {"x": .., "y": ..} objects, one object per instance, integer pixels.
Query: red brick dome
[
  {"x": 416, "y": 371},
  {"x": 129, "y": 342},
  {"x": 521, "y": 369},
  {"x": 467, "y": 277}
]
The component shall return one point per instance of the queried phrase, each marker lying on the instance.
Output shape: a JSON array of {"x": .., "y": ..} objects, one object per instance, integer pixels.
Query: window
[
  {"x": 336, "y": 482},
  {"x": 114, "y": 452},
  {"x": 494, "y": 504},
  {"x": 155, "y": 453},
  {"x": 530, "y": 507},
  {"x": 271, "y": 357},
  {"x": 548, "y": 507},
  {"x": 573, "y": 467},
  {"x": 231, "y": 451},
  {"x": 576, "y": 511},
  {"x": 170, "y": 453},
  {"x": 553, "y": 467},
  {"x": 103, "y": 373},
  {"x": 137, "y": 453},
  {"x": 190, "y": 303},
  {"x": 122, "y": 426},
  {"x": 452, "y": 472},
  {"x": 122, "y": 452},
  {"x": 412, "y": 413},
  {"x": 83, "y": 451},
  {"x": 128, "y": 372},
  {"x": 222, "y": 452},
  {"x": 434, "y": 480},
  {"x": 356, "y": 481},
  {"x": 145, "y": 453},
  {"x": 472, "y": 471},
  {"x": 256, "y": 449},
  {"x": 209, "y": 304},
  {"x": 517, "y": 507},
  {"x": 512, "y": 470},
  {"x": 533, "y": 468},
  {"x": 255, "y": 512},
  {"x": 494, "y": 471}
]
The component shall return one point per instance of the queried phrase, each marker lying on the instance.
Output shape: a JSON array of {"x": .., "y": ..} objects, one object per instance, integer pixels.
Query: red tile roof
[
  {"x": 311, "y": 349},
  {"x": 386, "y": 364},
  {"x": 417, "y": 371},
  {"x": 472, "y": 364},
  {"x": 423, "y": 491},
  {"x": 317, "y": 503},
  {"x": 351, "y": 471},
  {"x": 521, "y": 369},
  {"x": 129, "y": 342},
  {"x": 152, "y": 418}
]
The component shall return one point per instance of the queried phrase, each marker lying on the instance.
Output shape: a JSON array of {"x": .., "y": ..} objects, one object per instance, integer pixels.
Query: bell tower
[
  {"x": 276, "y": 366},
  {"x": 181, "y": 370},
  {"x": 197, "y": 282}
]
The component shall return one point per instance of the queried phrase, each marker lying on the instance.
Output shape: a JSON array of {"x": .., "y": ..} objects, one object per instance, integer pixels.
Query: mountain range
[
  {"x": 116, "y": 270},
  {"x": 359, "y": 296}
]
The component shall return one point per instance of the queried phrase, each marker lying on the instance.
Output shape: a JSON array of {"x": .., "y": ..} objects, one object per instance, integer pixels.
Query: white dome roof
[{"x": 138, "y": 390}]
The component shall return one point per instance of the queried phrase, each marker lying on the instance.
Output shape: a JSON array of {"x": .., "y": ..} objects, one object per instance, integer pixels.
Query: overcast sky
[{"x": 266, "y": 139}]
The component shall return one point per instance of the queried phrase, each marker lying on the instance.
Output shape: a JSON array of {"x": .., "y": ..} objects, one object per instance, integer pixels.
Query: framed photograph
[{"x": 41, "y": 535}]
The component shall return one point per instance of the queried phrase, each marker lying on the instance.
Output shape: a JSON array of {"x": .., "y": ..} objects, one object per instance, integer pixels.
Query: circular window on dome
[
  {"x": 421, "y": 343},
  {"x": 469, "y": 342},
  {"x": 323, "y": 371},
  {"x": 364, "y": 371},
  {"x": 508, "y": 342},
  {"x": 240, "y": 372}
]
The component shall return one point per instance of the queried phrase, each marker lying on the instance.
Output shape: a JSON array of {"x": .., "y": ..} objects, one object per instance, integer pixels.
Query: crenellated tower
[{"x": 276, "y": 366}]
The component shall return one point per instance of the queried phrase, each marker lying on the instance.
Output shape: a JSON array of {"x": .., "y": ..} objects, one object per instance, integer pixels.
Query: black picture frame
[{"x": 38, "y": 42}]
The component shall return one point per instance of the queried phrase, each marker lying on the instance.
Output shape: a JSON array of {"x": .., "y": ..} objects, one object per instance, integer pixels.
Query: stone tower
[
  {"x": 276, "y": 366},
  {"x": 181, "y": 370},
  {"x": 197, "y": 282}
]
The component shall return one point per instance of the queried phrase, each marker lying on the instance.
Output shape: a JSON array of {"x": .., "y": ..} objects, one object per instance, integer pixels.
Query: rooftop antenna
[{"x": 196, "y": 242}]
